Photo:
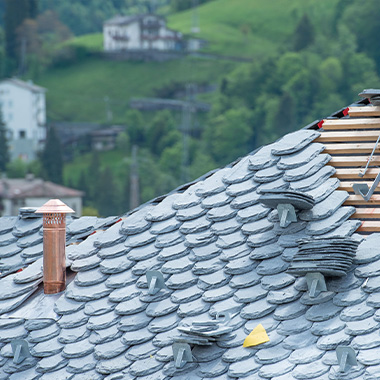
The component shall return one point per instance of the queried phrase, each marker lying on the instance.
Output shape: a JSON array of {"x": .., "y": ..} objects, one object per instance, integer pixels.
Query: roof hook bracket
[
  {"x": 223, "y": 317},
  {"x": 363, "y": 190},
  {"x": 156, "y": 281},
  {"x": 316, "y": 283},
  {"x": 20, "y": 350},
  {"x": 182, "y": 354},
  {"x": 287, "y": 214},
  {"x": 346, "y": 358},
  {"x": 361, "y": 173}
]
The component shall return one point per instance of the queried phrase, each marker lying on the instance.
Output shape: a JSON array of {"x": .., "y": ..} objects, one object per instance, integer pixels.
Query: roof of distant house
[
  {"x": 31, "y": 187},
  {"x": 125, "y": 20},
  {"x": 28, "y": 85}
]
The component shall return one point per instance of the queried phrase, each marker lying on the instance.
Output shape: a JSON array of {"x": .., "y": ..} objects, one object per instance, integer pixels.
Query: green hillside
[
  {"x": 249, "y": 28},
  {"x": 267, "y": 24},
  {"x": 77, "y": 92}
]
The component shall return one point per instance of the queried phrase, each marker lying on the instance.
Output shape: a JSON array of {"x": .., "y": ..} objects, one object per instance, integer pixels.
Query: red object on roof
[{"x": 320, "y": 124}]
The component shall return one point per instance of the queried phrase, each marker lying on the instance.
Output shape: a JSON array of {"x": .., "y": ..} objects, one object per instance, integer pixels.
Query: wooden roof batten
[{"x": 350, "y": 142}]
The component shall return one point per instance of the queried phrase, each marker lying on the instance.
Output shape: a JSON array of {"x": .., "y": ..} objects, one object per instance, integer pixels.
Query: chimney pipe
[{"x": 54, "y": 227}]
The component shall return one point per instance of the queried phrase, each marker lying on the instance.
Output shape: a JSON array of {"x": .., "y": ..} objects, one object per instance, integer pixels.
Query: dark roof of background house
[
  {"x": 12, "y": 188},
  {"x": 125, "y": 20},
  {"x": 219, "y": 250}
]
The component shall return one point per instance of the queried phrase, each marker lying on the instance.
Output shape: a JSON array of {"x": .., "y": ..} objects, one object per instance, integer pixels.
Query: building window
[{"x": 22, "y": 134}]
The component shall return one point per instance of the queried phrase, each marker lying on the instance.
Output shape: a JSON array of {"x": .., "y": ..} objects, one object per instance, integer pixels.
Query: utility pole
[
  {"x": 108, "y": 109},
  {"x": 187, "y": 110},
  {"x": 21, "y": 69},
  {"x": 195, "y": 28},
  {"x": 134, "y": 200}
]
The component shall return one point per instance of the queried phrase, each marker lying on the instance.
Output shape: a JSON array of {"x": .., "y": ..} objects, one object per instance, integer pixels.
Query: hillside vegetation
[{"x": 308, "y": 59}]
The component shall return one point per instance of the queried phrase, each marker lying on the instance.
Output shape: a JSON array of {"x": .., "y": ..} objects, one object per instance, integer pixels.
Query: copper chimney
[{"x": 54, "y": 225}]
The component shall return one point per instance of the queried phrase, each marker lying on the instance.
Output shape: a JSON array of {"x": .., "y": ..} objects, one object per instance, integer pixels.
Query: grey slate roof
[{"x": 219, "y": 250}]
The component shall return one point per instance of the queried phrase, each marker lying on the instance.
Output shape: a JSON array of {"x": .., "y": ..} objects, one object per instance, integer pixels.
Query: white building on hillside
[
  {"x": 24, "y": 114},
  {"x": 139, "y": 32}
]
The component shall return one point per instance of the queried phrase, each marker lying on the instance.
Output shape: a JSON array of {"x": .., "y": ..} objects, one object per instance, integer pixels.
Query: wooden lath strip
[
  {"x": 353, "y": 173},
  {"x": 354, "y": 161},
  {"x": 369, "y": 226},
  {"x": 357, "y": 200},
  {"x": 347, "y": 185},
  {"x": 364, "y": 111},
  {"x": 350, "y": 142},
  {"x": 344, "y": 136},
  {"x": 350, "y": 148},
  {"x": 360, "y": 123},
  {"x": 367, "y": 213}
]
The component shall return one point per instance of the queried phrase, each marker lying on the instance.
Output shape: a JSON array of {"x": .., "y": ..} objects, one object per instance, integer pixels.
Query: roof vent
[
  {"x": 286, "y": 202},
  {"x": 54, "y": 227}
]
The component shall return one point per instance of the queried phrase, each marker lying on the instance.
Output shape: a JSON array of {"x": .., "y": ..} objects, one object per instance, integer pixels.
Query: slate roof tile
[
  {"x": 268, "y": 175},
  {"x": 263, "y": 158},
  {"x": 51, "y": 363},
  {"x": 113, "y": 251},
  {"x": 300, "y": 158},
  {"x": 80, "y": 365},
  {"x": 335, "y": 220},
  {"x": 216, "y": 200},
  {"x": 225, "y": 227},
  {"x": 356, "y": 312},
  {"x": 214, "y": 183},
  {"x": 241, "y": 188},
  {"x": 278, "y": 184},
  {"x": 110, "y": 350},
  {"x": 235, "y": 252},
  {"x": 73, "y": 335},
  {"x": 256, "y": 227},
  {"x": 73, "y": 319},
  {"x": 276, "y": 369},
  {"x": 252, "y": 213},
  {"x": 188, "y": 198},
  {"x": 186, "y": 295},
  {"x": 243, "y": 368},
  {"x": 294, "y": 142},
  {"x": 198, "y": 239},
  {"x": 314, "y": 180},
  {"x": 308, "y": 169},
  {"x": 88, "y": 293},
  {"x": 104, "y": 335},
  {"x": 136, "y": 222},
  {"x": 303, "y": 339},
  {"x": 208, "y": 266},
  {"x": 362, "y": 327}
]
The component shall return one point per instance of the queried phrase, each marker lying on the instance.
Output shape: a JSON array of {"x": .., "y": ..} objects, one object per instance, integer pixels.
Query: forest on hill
[{"x": 307, "y": 60}]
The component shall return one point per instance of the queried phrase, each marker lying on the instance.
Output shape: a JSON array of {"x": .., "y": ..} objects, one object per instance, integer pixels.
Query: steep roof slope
[{"x": 219, "y": 250}]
